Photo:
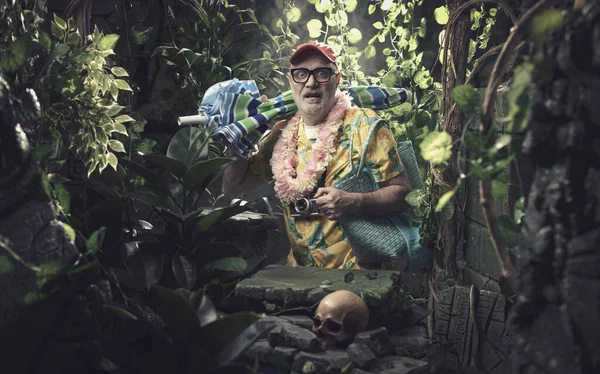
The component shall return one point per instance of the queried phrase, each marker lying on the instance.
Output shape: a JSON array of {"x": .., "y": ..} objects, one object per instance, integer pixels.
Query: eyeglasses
[{"x": 322, "y": 75}]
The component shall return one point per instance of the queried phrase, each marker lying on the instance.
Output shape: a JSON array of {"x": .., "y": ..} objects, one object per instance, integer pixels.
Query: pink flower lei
[{"x": 288, "y": 186}]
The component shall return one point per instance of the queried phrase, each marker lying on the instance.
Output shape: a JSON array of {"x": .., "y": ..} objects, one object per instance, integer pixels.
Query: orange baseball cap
[{"x": 322, "y": 48}]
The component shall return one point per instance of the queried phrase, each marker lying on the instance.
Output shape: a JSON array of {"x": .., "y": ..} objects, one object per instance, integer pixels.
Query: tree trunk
[
  {"x": 451, "y": 231},
  {"x": 555, "y": 321}
]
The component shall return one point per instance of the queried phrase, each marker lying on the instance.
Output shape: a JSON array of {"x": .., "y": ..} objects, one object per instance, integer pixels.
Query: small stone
[
  {"x": 260, "y": 350},
  {"x": 269, "y": 321},
  {"x": 361, "y": 355},
  {"x": 378, "y": 340},
  {"x": 282, "y": 358},
  {"x": 332, "y": 361},
  {"x": 410, "y": 342},
  {"x": 289, "y": 335},
  {"x": 300, "y": 321},
  {"x": 402, "y": 365}
]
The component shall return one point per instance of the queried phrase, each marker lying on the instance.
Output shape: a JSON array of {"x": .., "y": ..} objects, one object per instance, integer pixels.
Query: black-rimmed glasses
[{"x": 322, "y": 75}]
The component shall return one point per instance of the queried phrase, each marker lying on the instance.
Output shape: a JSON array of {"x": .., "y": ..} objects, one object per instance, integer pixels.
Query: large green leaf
[
  {"x": 509, "y": 230},
  {"x": 436, "y": 147},
  {"x": 216, "y": 216},
  {"x": 185, "y": 270},
  {"x": 180, "y": 145},
  {"x": 230, "y": 336},
  {"x": 15, "y": 56},
  {"x": 145, "y": 268},
  {"x": 176, "y": 167},
  {"x": 141, "y": 171},
  {"x": 235, "y": 264},
  {"x": 184, "y": 311},
  {"x": 198, "y": 149},
  {"x": 201, "y": 174},
  {"x": 467, "y": 99}
]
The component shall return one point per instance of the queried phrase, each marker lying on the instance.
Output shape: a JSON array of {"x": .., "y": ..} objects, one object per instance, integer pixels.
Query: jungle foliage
[{"x": 107, "y": 103}]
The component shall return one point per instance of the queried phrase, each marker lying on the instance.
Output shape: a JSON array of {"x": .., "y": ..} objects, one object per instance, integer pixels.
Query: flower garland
[{"x": 288, "y": 186}]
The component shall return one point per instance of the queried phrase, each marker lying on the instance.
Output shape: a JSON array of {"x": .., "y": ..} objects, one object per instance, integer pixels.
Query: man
[{"x": 307, "y": 154}]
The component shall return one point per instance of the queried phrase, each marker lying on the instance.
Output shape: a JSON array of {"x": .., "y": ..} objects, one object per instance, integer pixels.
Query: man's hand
[{"x": 335, "y": 203}]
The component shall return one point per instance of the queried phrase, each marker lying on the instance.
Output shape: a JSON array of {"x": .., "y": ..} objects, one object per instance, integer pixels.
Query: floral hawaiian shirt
[{"x": 315, "y": 240}]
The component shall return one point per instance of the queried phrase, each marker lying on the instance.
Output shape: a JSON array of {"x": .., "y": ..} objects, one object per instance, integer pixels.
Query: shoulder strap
[{"x": 363, "y": 154}]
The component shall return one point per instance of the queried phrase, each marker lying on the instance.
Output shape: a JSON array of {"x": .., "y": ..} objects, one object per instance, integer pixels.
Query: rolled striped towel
[{"x": 240, "y": 118}]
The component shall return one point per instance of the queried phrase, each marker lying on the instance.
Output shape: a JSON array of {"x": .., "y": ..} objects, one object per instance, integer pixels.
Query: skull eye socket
[
  {"x": 332, "y": 326},
  {"x": 317, "y": 322}
]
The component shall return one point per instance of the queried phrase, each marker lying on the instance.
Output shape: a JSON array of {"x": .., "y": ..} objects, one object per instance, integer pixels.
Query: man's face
[{"x": 314, "y": 99}]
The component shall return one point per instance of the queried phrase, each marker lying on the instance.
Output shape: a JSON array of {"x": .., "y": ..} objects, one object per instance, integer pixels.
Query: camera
[{"x": 304, "y": 207}]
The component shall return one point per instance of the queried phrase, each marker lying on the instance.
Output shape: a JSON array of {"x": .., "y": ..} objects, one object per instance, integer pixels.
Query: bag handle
[{"x": 363, "y": 155}]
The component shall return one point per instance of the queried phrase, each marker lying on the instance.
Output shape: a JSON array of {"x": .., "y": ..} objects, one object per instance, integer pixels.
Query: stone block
[
  {"x": 402, "y": 365},
  {"x": 282, "y": 358},
  {"x": 473, "y": 206},
  {"x": 258, "y": 351},
  {"x": 483, "y": 282},
  {"x": 289, "y": 335},
  {"x": 378, "y": 340},
  {"x": 473, "y": 242},
  {"x": 488, "y": 260},
  {"x": 361, "y": 355},
  {"x": 330, "y": 362},
  {"x": 300, "y": 321},
  {"x": 308, "y": 285},
  {"x": 410, "y": 342}
]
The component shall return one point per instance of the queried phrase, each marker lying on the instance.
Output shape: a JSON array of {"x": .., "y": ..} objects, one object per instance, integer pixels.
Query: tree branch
[{"x": 489, "y": 101}]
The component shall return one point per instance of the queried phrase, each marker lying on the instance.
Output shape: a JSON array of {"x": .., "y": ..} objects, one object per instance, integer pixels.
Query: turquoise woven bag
[{"x": 383, "y": 238}]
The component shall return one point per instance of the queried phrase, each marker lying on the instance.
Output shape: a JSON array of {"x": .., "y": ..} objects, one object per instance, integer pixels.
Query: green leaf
[
  {"x": 444, "y": 199},
  {"x": 519, "y": 210},
  {"x": 203, "y": 172},
  {"x": 293, "y": 15},
  {"x": 122, "y": 85},
  {"x": 230, "y": 336},
  {"x": 185, "y": 270},
  {"x": 69, "y": 230},
  {"x": 518, "y": 98},
  {"x": 6, "y": 265},
  {"x": 466, "y": 98},
  {"x": 112, "y": 160},
  {"x": 378, "y": 25},
  {"x": 181, "y": 143},
  {"x": 124, "y": 118},
  {"x": 176, "y": 167},
  {"x": 63, "y": 197},
  {"x": 141, "y": 171},
  {"x": 94, "y": 242},
  {"x": 121, "y": 312},
  {"x": 509, "y": 230},
  {"x": 499, "y": 189},
  {"x": 369, "y": 52},
  {"x": 119, "y": 72},
  {"x": 119, "y": 128},
  {"x": 386, "y": 5},
  {"x": 235, "y": 264},
  {"x": 183, "y": 311},
  {"x": 146, "y": 269},
  {"x": 45, "y": 41},
  {"x": 108, "y": 42},
  {"x": 445, "y": 213},
  {"x": 436, "y": 147},
  {"x": 441, "y": 15},
  {"x": 216, "y": 216},
  {"x": 13, "y": 58},
  {"x": 116, "y": 145},
  {"x": 140, "y": 34},
  {"x": 543, "y": 24},
  {"x": 314, "y": 28},
  {"x": 60, "y": 22},
  {"x": 416, "y": 197}
]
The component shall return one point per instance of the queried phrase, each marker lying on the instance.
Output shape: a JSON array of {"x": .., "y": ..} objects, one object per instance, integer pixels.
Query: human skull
[{"x": 340, "y": 315}]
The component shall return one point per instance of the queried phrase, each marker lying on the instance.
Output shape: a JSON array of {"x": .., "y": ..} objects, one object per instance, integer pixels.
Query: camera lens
[{"x": 302, "y": 206}]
